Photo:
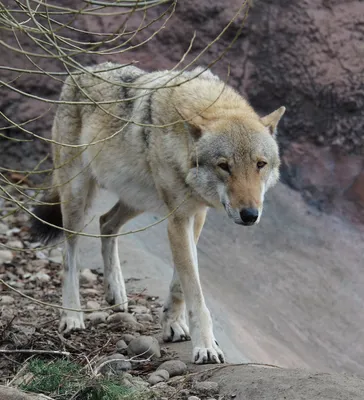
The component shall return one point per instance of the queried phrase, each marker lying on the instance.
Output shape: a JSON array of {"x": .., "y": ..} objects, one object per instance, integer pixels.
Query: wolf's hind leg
[
  {"x": 174, "y": 324},
  {"x": 110, "y": 224},
  {"x": 73, "y": 203}
]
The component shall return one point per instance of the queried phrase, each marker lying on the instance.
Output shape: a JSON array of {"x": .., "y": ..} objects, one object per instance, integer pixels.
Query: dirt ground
[{"x": 288, "y": 292}]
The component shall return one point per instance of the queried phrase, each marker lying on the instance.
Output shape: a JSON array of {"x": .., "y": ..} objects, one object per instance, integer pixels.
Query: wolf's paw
[
  {"x": 71, "y": 321},
  {"x": 175, "y": 328},
  {"x": 208, "y": 355},
  {"x": 115, "y": 294}
]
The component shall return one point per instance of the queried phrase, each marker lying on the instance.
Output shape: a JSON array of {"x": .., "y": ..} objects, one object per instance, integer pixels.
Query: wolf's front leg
[
  {"x": 173, "y": 317},
  {"x": 181, "y": 237}
]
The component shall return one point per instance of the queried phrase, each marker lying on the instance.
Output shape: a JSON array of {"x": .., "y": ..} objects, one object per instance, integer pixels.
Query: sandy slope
[{"x": 289, "y": 291}]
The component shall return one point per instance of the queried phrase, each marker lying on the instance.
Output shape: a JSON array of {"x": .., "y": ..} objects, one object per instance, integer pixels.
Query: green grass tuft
[{"x": 63, "y": 380}]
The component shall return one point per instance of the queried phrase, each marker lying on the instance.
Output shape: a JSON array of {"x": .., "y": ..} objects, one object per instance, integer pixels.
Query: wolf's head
[{"x": 234, "y": 159}]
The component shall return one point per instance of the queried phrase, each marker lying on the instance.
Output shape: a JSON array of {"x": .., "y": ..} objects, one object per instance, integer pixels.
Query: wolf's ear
[
  {"x": 271, "y": 120},
  {"x": 194, "y": 122}
]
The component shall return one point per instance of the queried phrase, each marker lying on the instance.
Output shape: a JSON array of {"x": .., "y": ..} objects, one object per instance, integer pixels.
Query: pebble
[
  {"x": 139, "y": 309},
  {"x": 90, "y": 291},
  {"x": 87, "y": 277},
  {"x": 97, "y": 317},
  {"x": 206, "y": 387},
  {"x": 193, "y": 398},
  {"x": 167, "y": 390},
  {"x": 6, "y": 300},
  {"x": 41, "y": 277},
  {"x": 121, "y": 345},
  {"x": 145, "y": 347},
  {"x": 92, "y": 305},
  {"x": 158, "y": 376},
  {"x": 56, "y": 256},
  {"x": 16, "y": 244},
  {"x": 40, "y": 255},
  {"x": 127, "y": 337},
  {"x": 3, "y": 228},
  {"x": 6, "y": 256},
  {"x": 144, "y": 318},
  {"x": 121, "y": 317},
  {"x": 119, "y": 364},
  {"x": 38, "y": 264},
  {"x": 174, "y": 367}
]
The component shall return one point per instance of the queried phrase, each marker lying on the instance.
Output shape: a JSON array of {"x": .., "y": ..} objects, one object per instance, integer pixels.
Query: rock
[
  {"x": 41, "y": 277},
  {"x": 144, "y": 346},
  {"x": 6, "y": 300},
  {"x": 16, "y": 244},
  {"x": 9, "y": 393},
  {"x": 87, "y": 277},
  {"x": 193, "y": 398},
  {"x": 97, "y": 317},
  {"x": 127, "y": 337},
  {"x": 134, "y": 382},
  {"x": 56, "y": 256},
  {"x": 174, "y": 367},
  {"x": 11, "y": 231},
  {"x": 6, "y": 256},
  {"x": 91, "y": 291},
  {"x": 92, "y": 305},
  {"x": 158, "y": 376},
  {"x": 114, "y": 364},
  {"x": 154, "y": 379},
  {"x": 121, "y": 345},
  {"x": 206, "y": 388},
  {"x": 165, "y": 389},
  {"x": 38, "y": 264},
  {"x": 3, "y": 228},
  {"x": 40, "y": 255},
  {"x": 144, "y": 318},
  {"x": 121, "y": 317},
  {"x": 139, "y": 309}
]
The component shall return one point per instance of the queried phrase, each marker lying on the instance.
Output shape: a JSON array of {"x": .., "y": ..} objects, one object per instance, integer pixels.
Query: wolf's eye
[
  {"x": 261, "y": 164},
  {"x": 224, "y": 166}
]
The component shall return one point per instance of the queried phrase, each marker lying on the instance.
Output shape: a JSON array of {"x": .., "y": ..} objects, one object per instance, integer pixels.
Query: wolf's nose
[{"x": 249, "y": 215}]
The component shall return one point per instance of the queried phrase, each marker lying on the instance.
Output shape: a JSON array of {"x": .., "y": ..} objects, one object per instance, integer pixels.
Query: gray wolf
[{"x": 167, "y": 142}]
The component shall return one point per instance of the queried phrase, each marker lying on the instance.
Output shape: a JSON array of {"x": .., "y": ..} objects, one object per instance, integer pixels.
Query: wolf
[{"x": 168, "y": 142}]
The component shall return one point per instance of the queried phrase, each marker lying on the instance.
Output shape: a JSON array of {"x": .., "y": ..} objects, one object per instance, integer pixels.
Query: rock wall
[{"x": 307, "y": 55}]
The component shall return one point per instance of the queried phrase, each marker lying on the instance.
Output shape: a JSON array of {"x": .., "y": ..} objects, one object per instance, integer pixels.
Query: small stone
[
  {"x": 6, "y": 256},
  {"x": 154, "y": 379},
  {"x": 87, "y": 277},
  {"x": 144, "y": 346},
  {"x": 38, "y": 264},
  {"x": 193, "y": 398},
  {"x": 121, "y": 345},
  {"x": 158, "y": 376},
  {"x": 56, "y": 256},
  {"x": 6, "y": 300},
  {"x": 41, "y": 277},
  {"x": 174, "y": 367},
  {"x": 121, "y": 317},
  {"x": 144, "y": 318},
  {"x": 3, "y": 228},
  {"x": 97, "y": 317},
  {"x": 127, "y": 337},
  {"x": 114, "y": 364},
  {"x": 164, "y": 388},
  {"x": 15, "y": 244},
  {"x": 40, "y": 255},
  {"x": 206, "y": 387},
  {"x": 92, "y": 305},
  {"x": 139, "y": 309},
  {"x": 91, "y": 291},
  {"x": 11, "y": 231}
]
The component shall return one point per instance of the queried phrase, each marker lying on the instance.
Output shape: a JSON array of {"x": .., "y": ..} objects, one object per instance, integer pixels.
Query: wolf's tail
[{"x": 47, "y": 227}]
